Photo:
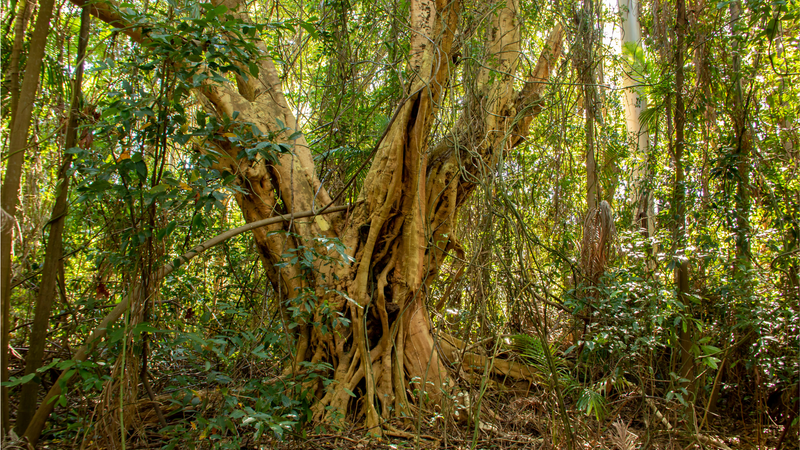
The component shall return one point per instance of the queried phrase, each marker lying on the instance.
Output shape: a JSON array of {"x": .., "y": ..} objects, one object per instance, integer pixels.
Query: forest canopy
[{"x": 425, "y": 223}]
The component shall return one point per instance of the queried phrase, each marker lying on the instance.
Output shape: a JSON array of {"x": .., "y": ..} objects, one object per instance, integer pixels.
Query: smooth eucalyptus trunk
[{"x": 635, "y": 103}]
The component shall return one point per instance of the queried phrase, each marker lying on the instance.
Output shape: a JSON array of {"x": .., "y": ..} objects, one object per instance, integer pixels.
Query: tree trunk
[
  {"x": 400, "y": 233},
  {"x": 635, "y": 103},
  {"x": 685, "y": 332},
  {"x": 46, "y": 295},
  {"x": 585, "y": 65},
  {"x": 9, "y": 201},
  {"x": 401, "y": 229},
  {"x": 743, "y": 145},
  {"x": 20, "y": 24}
]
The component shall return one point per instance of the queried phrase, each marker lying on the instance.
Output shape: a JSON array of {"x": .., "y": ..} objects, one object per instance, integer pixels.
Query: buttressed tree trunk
[{"x": 400, "y": 230}]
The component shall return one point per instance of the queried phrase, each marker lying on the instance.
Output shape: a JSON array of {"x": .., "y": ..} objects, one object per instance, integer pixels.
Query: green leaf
[
  {"x": 166, "y": 231},
  {"x": 310, "y": 28},
  {"x": 181, "y": 139},
  {"x": 159, "y": 188},
  {"x": 198, "y": 223},
  {"x": 145, "y": 327},
  {"x": 141, "y": 170},
  {"x": 62, "y": 381},
  {"x": 16, "y": 381},
  {"x": 218, "y": 11},
  {"x": 115, "y": 335}
]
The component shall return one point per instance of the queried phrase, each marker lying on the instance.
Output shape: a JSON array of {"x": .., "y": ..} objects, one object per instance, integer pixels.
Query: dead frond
[{"x": 622, "y": 437}]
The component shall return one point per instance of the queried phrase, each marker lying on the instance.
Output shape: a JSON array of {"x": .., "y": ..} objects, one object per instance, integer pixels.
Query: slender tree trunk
[
  {"x": 584, "y": 61},
  {"x": 791, "y": 240},
  {"x": 585, "y": 64},
  {"x": 7, "y": 220},
  {"x": 685, "y": 332},
  {"x": 53, "y": 253},
  {"x": 20, "y": 24},
  {"x": 743, "y": 145},
  {"x": 13, "y": 174},
  {"x": 635, "y": 103}
]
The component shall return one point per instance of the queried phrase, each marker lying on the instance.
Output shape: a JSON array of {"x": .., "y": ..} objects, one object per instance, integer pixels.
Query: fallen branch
[{"x": 454, "y": 351}]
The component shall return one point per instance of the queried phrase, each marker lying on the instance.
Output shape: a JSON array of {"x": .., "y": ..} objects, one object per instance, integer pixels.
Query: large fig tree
[{"x": 363, "y": 317}]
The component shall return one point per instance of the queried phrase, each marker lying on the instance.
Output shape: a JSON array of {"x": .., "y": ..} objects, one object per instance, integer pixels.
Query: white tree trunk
[{"x": 635, "y": 103}]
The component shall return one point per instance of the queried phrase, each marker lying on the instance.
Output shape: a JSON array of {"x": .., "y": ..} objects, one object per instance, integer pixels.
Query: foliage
[{"x": 217, "y": 336}]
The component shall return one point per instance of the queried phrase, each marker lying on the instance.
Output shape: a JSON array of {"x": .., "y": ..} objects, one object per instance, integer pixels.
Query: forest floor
[
  {"x": 509, "y": 436},
  {"x": 521, "y": 419},
  {"x": 519, "y": 424},
  {"x": 615, "y": 438}
]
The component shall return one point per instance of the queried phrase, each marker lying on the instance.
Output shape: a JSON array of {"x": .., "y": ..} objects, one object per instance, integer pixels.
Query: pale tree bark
[
  {"x": 402, "y": 227},
  {"x": 635, "y": 103},
  {"x": 9, "y": 199}
]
